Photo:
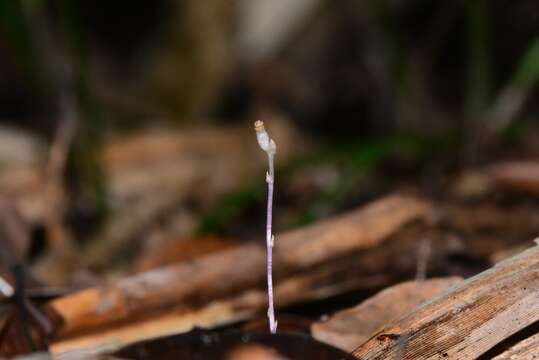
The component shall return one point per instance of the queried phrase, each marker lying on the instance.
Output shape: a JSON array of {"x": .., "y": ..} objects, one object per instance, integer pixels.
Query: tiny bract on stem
[{"x": 268, "y": 145}]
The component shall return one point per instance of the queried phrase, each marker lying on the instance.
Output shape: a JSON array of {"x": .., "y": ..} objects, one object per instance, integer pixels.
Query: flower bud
[{"x": 264, "y": 141}]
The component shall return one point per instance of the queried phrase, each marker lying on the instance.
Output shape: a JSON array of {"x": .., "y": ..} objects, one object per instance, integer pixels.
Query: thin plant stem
[
  {"x": 268, "y": 145},
  {"x": 269, "y": 244}
]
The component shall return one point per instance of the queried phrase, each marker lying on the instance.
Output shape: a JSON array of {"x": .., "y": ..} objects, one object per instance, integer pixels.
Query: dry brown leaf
[{"x": 348, "y": 328}]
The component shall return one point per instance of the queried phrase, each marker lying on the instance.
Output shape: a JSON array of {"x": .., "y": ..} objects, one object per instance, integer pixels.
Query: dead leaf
[{"x": 348, "y": 328}]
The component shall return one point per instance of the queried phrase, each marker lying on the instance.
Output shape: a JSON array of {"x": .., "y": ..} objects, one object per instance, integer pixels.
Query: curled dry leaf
[{"x": 348, "y": 328}]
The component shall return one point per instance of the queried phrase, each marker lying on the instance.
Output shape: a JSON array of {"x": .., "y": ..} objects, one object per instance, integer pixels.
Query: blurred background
[{"x": 126, "y": 137}]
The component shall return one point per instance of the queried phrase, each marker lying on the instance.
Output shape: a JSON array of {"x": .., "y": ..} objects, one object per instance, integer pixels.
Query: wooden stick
[
  {"x": 468, "y": 320},
  {"x": 218, "y": 275}
]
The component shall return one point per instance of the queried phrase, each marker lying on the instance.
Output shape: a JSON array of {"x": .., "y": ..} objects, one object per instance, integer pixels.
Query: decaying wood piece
[
  {"x": 353, "y": 326},
  {"x": 220, "y": 274},
  {"x": 356, "y": 230},
  {"x": 317, "y": 283},
  {"x": 468, "y": 320},
  {"x": 527, "y": 349}
]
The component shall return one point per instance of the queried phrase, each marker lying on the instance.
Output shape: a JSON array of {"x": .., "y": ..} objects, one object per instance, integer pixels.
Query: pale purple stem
[{"x": 269, "y": 246}]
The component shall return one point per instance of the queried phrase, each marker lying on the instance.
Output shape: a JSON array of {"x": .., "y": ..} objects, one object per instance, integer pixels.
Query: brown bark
[
  {"x": 468, "y": 320},
  {"x": 220, "y": 274}
]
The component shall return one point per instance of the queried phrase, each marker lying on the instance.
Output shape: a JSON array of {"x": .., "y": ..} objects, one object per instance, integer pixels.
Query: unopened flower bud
[{"x": 264, "y": 141}]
